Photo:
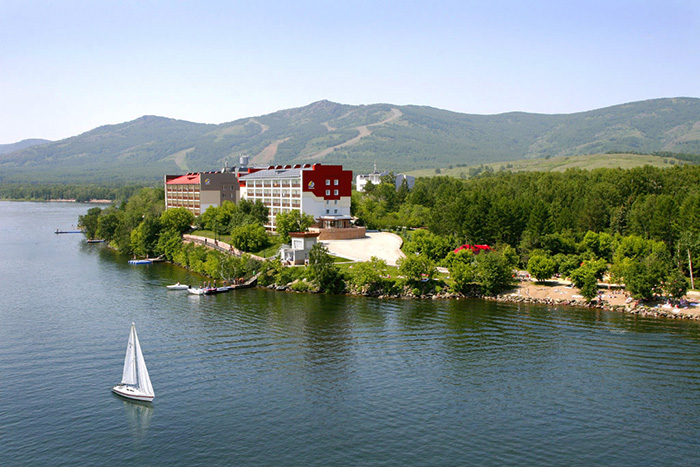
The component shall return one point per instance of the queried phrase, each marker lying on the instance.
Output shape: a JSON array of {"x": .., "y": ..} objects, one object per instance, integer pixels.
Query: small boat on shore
[
  {"x": 135, "y": 384},
  {"x": 178, "y": 286},
  {"x": 196, "y": 290},
  {"x": 94, "y": 240},
  {"x": 140, "y": 261},
  {"x": 68, "y": 231}
]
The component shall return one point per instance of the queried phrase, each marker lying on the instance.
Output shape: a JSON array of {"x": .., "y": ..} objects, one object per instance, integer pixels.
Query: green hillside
[
  {"x": 399, "y": 138},
  {"x": 553, "y": 164}
]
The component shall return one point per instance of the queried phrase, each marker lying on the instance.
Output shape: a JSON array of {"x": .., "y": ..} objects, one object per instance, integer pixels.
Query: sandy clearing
[{"x": 383, "y": 245}]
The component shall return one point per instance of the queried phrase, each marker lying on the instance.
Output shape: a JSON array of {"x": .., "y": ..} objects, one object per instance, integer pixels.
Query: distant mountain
[
  {"x": 27, "y": 143},
  {"x": 399, "y": 138}
]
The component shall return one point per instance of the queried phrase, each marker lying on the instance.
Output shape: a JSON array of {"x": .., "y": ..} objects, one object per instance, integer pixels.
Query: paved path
[{"x": 383, "y": 245}]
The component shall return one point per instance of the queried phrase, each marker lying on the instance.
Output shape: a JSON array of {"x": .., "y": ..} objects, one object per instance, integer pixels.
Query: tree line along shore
[{"x": 638, "y": 227}]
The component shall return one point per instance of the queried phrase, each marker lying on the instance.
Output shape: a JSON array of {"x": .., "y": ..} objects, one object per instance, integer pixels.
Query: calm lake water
[{"x": 255, "y": 377}]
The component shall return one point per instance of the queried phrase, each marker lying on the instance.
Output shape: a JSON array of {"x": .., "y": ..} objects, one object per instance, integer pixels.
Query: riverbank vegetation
[{"x": 639, "y": 227}]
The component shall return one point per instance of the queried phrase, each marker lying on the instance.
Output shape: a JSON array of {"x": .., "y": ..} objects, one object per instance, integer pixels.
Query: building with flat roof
[
  {"x": 197, "y": 191},
  {"x": 322, "y": 191}
]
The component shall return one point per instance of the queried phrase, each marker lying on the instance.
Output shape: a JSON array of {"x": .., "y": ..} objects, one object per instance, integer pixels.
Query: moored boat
[
  {"x": 140, "y": 261},
  {"x": 178, "y": 286}
]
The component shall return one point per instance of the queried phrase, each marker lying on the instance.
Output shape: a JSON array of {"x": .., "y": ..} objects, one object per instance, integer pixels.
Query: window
[
  {"x": 335, "y": 192},
  {"x": 335, "y": 202},
  {"x": 328, "y": 211},
  {"x": 335, "y": 211},
  {"x": 328, "y": 182},
  {"x": 328, "y": 192},
  {"x": 335, "y": 182}
]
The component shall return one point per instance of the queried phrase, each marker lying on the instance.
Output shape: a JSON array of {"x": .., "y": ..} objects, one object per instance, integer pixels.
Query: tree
[
  {"x": 675, "y": 285},
  {"x": 463, "y": 273},
  {"x": 169, "y": 243},
  {"x": 144, "y": 238},
  {"x": 369, "y": 276},
  {"x": 541, "y": 267},
  {"x": 584, "y": 279},
  {"x": 427, "y": 243},
  {"x": 108, "y": 224},
  {"x": 249, "y": 237},
  {"x": 177, "y": 219},
  {"x": 90, "y": 221},
  {"x": 416, "y": 269},
  {"x": 292, "y": 221},
  {"x": 323, "y": 271},
  {"x": 493, "y": 272}
]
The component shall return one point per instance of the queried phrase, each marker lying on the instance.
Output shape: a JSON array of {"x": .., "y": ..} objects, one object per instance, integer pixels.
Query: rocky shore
[
  {"x": 633, "y": 308},
  {"x": 532, "y": 293}
]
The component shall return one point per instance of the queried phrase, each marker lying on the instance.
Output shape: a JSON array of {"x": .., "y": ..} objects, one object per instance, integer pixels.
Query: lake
[{"x": 256, "y": 377}]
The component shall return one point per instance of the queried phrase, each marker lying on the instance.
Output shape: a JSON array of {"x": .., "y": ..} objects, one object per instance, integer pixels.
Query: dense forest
[{"x": 638, "y": 226}]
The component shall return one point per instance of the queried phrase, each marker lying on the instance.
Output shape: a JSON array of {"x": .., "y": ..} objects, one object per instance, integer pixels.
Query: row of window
[
  {"x": 274, "y": 193},
  {"x": 335, "y": 192},
  {"x": 295, "y": 183},
  {"x": 182, "y": 188},
  {"x": 328, "y": 182}
]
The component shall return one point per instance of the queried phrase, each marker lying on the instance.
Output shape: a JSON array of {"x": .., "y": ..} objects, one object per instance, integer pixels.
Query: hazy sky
[{"x": 69, "y": 66}]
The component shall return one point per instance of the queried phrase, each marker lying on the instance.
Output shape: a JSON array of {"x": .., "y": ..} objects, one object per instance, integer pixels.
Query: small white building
[
  {"x": 302, "y": 242},
  {"x": 376, "y": 178}
]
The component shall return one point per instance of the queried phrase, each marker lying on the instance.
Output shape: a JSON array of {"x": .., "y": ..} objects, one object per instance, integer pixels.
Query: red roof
[
  {"x": 189, "y": 179},
  {"x": 475, "y": 248}
]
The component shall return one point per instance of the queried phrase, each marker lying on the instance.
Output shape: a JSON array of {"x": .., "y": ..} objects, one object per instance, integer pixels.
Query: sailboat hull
[{"x": 131, "y": 392}]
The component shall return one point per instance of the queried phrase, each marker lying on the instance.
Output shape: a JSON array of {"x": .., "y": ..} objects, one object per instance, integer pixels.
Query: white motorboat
[
  {"x": 196, "y": 290},
  {"x": 178, "y": 286},
  {"x": 136, "y": 384}
]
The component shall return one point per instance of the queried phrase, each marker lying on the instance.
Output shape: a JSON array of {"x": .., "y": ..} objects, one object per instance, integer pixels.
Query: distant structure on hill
[{"x": 376, "y": 178}]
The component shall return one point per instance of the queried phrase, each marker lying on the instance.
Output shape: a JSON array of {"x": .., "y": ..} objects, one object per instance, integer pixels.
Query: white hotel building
[{"x": 323, "y": 191}]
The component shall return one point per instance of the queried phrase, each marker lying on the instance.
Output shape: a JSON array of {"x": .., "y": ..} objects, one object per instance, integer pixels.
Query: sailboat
[{"x": 136, "y": 383}]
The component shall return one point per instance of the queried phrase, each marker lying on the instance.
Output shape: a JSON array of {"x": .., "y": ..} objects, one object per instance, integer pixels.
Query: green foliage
[
  {"x": 584, "y": 278},
  {"x": 464, "y": 275},
  {"x": 169, "y": 244},
  {"x": 144, "y": 238},
  {"x": 416, "y": 269},
  {"x": 541, "y": 267},
  {"x": 292, "y": 221},
  {"x": 249, "y": 237},
  {"x": 369, "y": 276},
  {"x": 323, "y": 271},
  {"x": 494, "y": 272},
  {"x": 426, "y": 243},
  {"x": 89, "y": 222},
  {"x": 178, "y": 220}
]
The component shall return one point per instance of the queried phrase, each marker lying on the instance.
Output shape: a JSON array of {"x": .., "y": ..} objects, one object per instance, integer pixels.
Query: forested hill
[
  {"x": 399, "y": 138},
  {"x": 26, "y": 143}
]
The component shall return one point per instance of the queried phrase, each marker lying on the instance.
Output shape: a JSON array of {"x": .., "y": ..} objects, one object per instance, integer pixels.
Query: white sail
[
  {"x": 129, "y": 375},
  {"x": 144, "y": 381}
]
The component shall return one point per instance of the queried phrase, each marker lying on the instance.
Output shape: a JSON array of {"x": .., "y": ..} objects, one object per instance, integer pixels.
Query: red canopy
[{"x": 476, "y": 249}]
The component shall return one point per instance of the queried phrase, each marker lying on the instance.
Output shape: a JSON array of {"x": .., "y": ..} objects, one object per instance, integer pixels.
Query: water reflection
[{"x": 138, "y": 416}]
